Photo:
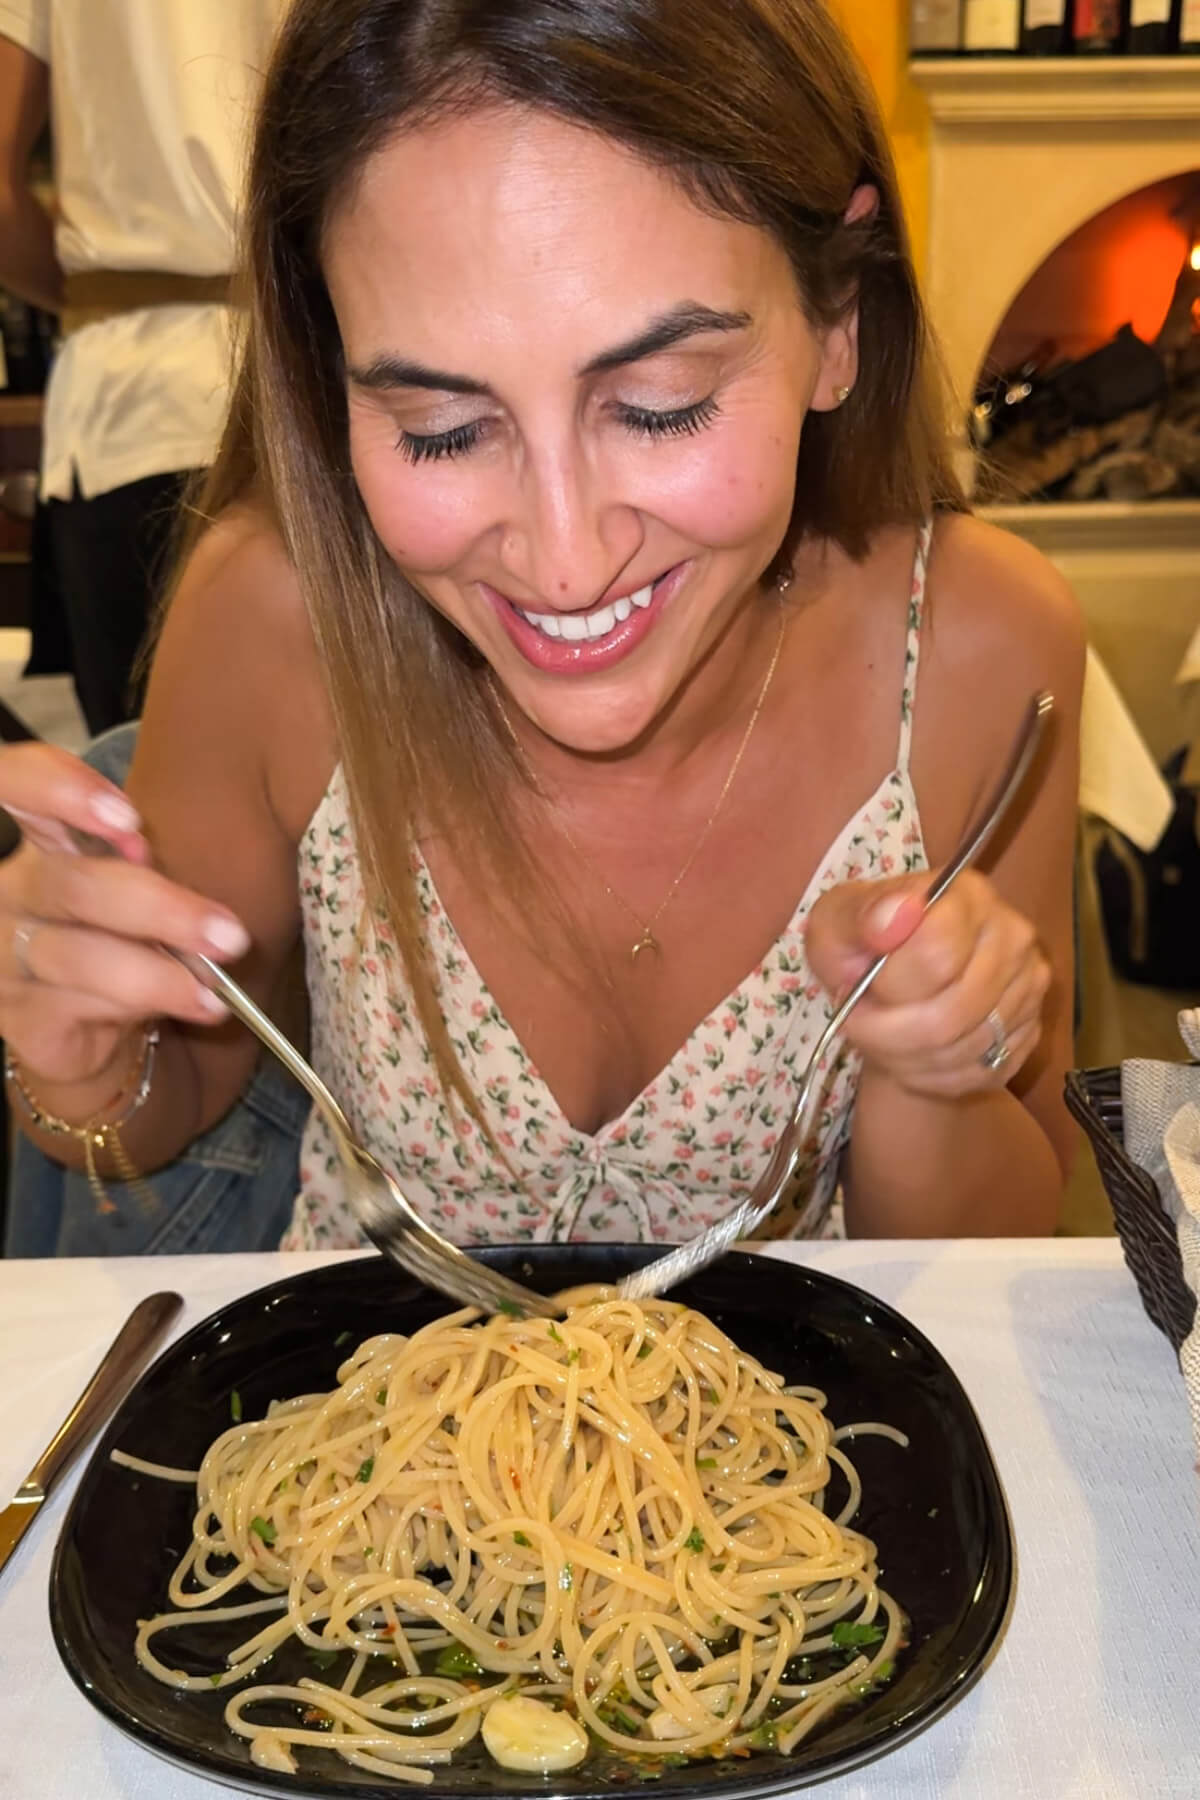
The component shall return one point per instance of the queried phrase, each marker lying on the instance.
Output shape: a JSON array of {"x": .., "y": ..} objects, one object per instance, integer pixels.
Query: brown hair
[{"x": 759, "y": 108}]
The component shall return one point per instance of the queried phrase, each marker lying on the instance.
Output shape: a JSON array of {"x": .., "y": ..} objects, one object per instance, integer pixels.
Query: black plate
[{"x": 935, "y": 1510}]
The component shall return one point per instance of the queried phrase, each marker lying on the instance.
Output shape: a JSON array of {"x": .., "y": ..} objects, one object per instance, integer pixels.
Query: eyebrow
[{"x": 684, "y": 321}]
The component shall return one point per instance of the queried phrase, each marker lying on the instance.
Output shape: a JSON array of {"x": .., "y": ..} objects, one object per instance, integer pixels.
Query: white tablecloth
[{"x": 1095, "y": 1691}]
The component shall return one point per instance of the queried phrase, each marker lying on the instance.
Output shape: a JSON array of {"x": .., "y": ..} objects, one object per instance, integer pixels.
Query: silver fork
[
  {"x": 686, "y": 1259},
  {"x": 378, "y": 1201},
  {"x": 376, "y": 1197},
  {"x": 395, "y": 1227}
]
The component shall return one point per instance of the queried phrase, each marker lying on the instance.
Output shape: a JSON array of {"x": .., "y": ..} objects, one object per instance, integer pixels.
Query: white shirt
[{"x": 151, "y": 104}]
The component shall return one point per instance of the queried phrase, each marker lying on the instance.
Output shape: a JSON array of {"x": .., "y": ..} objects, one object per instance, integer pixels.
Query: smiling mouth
[{"x": 577, "y": 628}]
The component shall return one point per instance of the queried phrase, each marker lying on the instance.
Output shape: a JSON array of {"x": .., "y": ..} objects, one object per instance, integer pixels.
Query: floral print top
[{"x": 682, "y": 1154}]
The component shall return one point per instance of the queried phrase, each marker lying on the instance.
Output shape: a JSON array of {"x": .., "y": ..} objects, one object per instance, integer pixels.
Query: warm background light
[{"x": 1119, "y": 268}]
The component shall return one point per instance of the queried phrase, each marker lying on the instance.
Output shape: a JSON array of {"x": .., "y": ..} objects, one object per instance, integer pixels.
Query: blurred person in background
[{"x": 150, "y": 103}]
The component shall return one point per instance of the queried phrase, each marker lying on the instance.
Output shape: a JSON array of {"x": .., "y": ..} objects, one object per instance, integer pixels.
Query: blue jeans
[{"x": 230, "y": 1189}]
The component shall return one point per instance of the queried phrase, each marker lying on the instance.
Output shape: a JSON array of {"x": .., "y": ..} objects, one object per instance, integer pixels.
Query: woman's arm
[
  {"x": 937, "y": 1149},
  {"x": 233, "y": 754}
]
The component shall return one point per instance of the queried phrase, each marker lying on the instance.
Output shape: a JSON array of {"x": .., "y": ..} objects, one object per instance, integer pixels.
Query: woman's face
[{"x": 575, "y": 401}]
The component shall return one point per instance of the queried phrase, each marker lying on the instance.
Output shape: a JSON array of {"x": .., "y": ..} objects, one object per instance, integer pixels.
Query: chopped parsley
[
  {"x": 520, "y": 1538},
  {"x": 712, "y": 1396},
  {"x": 763, "y": 1737},
  {"x": 876, "y": 1678},
  {"x": 366, "y": 1469},
  {"x": 324, "y": 1659},
  {"x": 215, "y": 1680},
  {"x": 264, "y": 1528},
  {"x": 381, "y": 1397},
  {"x": 510, "y": 1309},
  {"x": 706, "y": 1462},
  {"x": 555, "y": 1333},
  {"x": 694, "y": 1539},
  {"x": 456, "y": 1660},
  {"x": 343, "y": 1337},
  {"x": 235, "y": 1407},
  {"x": 644, "y": 1350},
  {"x": 856, "y": 1637}
]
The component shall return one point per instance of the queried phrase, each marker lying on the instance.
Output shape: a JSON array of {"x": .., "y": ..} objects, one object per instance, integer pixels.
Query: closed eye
[
  {"x": 419, "y": 447},
  {"x": 677, "y": 423},
  {"x": 681, "y": 421}
]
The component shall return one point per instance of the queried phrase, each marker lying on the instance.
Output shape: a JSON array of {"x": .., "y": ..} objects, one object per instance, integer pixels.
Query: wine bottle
[
  {"x": 992, "y": 27},
  {"x": 935, "y": 28},
  {"x": 1149, "y": 27},
  {"x": 1099, "y": 27},
  {"x": 1046, "y": 27},
  {"x": 1189, "y": 28}
]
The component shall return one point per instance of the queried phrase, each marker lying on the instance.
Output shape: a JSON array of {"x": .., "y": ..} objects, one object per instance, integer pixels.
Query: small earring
[
  {"x": 783, "y": 580},
  {"x": 841, "y": 395}
]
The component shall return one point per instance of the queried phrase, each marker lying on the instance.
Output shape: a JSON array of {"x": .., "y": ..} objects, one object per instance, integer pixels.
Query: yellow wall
[{"x": 879, "y": 29}]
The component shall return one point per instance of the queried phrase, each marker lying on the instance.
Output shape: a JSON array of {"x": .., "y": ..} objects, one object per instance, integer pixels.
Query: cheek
[
  {"x": 422, "y": 513},
  {"x": 734, "y": 489}
]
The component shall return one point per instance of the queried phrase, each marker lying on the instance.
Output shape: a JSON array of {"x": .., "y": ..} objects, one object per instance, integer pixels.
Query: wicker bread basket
[{"x": 1147, "y": 1234}]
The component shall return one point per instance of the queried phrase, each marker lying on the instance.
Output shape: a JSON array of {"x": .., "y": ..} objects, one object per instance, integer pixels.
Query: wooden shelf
[
  {"x": 1164, "y": 527},
  {"x": 18, "y": 411},
  {"x": 965, "y": 92}
]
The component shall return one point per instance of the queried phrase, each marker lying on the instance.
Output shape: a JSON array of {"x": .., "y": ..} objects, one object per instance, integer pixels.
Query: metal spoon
[{"x": 686, "y": 1259}]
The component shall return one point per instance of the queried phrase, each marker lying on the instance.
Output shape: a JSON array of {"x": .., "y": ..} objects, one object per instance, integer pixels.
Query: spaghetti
[{"x": 621, "y": 1516}]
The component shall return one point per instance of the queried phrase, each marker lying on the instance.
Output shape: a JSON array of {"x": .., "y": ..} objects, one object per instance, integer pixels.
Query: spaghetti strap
[{"x": 912, "y": 643}]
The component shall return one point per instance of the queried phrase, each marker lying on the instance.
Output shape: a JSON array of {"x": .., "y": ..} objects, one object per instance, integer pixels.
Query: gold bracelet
[{"x": 97, "y": 1134}]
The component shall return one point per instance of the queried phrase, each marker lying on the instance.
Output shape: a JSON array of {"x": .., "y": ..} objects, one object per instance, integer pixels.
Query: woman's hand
[
  {"x": 957, "y": 1009},
  {"x": 80, "y": 963}
]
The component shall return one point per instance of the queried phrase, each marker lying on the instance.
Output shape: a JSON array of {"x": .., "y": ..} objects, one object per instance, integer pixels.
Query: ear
[
  {"x": 838, "y": 372},
  {"x": 839, "y": 352}
]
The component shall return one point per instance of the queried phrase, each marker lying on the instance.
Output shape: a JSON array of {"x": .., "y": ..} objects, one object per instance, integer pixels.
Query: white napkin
[
  {"x": 1119, "y": 780},
  {"x": 1161, "y": 1104}
]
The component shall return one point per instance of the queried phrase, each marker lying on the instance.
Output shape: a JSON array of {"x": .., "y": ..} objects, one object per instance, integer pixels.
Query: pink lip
[{"x": 552, "y": 656}]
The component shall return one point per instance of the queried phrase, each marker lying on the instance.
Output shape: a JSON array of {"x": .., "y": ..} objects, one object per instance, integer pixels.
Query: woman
[{"x": 588, "y": 656}]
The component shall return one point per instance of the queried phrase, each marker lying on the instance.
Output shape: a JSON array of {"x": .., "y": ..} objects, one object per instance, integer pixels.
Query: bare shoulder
[
  {"x": 239, "y": 588},
  {"x": 998, "y": 605},
  {"x": 1001, "y": 625},
  {"x": 237, "y": 666}
]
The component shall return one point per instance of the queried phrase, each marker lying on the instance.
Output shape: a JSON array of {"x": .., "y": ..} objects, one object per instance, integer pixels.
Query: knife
[{"x": 111, "y": 1382}]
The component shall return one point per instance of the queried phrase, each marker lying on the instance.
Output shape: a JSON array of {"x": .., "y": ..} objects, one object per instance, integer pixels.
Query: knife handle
[{"x": 109, "y": 1385}]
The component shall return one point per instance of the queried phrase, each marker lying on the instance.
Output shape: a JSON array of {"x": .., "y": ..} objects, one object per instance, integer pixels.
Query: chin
[{"x": 601, "y": 729}]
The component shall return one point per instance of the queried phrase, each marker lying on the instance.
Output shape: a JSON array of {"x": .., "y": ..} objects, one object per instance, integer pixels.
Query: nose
[{"x": 570, "y": 532}]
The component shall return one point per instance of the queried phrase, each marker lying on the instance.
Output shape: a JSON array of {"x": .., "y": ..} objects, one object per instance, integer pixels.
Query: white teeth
[
  {"x": 575, "y": 627},
  {"x": 599, "y": 624}
]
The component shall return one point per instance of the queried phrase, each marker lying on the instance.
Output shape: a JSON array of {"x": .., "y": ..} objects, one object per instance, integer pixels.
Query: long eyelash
[
  {"x": 443, "y": 443},
  {"x": 680, "y": 423}
]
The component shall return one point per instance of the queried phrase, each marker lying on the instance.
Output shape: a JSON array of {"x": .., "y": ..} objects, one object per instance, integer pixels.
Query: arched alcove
[{"x": 1090, "y": 387}]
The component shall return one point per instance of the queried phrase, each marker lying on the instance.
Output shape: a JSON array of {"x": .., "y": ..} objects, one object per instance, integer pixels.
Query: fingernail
[
  {"x": 116, "y": 813},
  {"x": 884, "y": 912},
  {"x": 212, "y": 1003},
  {"x": 226, "y": 935}
]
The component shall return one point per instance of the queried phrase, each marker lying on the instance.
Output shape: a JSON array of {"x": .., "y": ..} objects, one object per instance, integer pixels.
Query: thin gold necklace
[{"x": 647, "y": 939}]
